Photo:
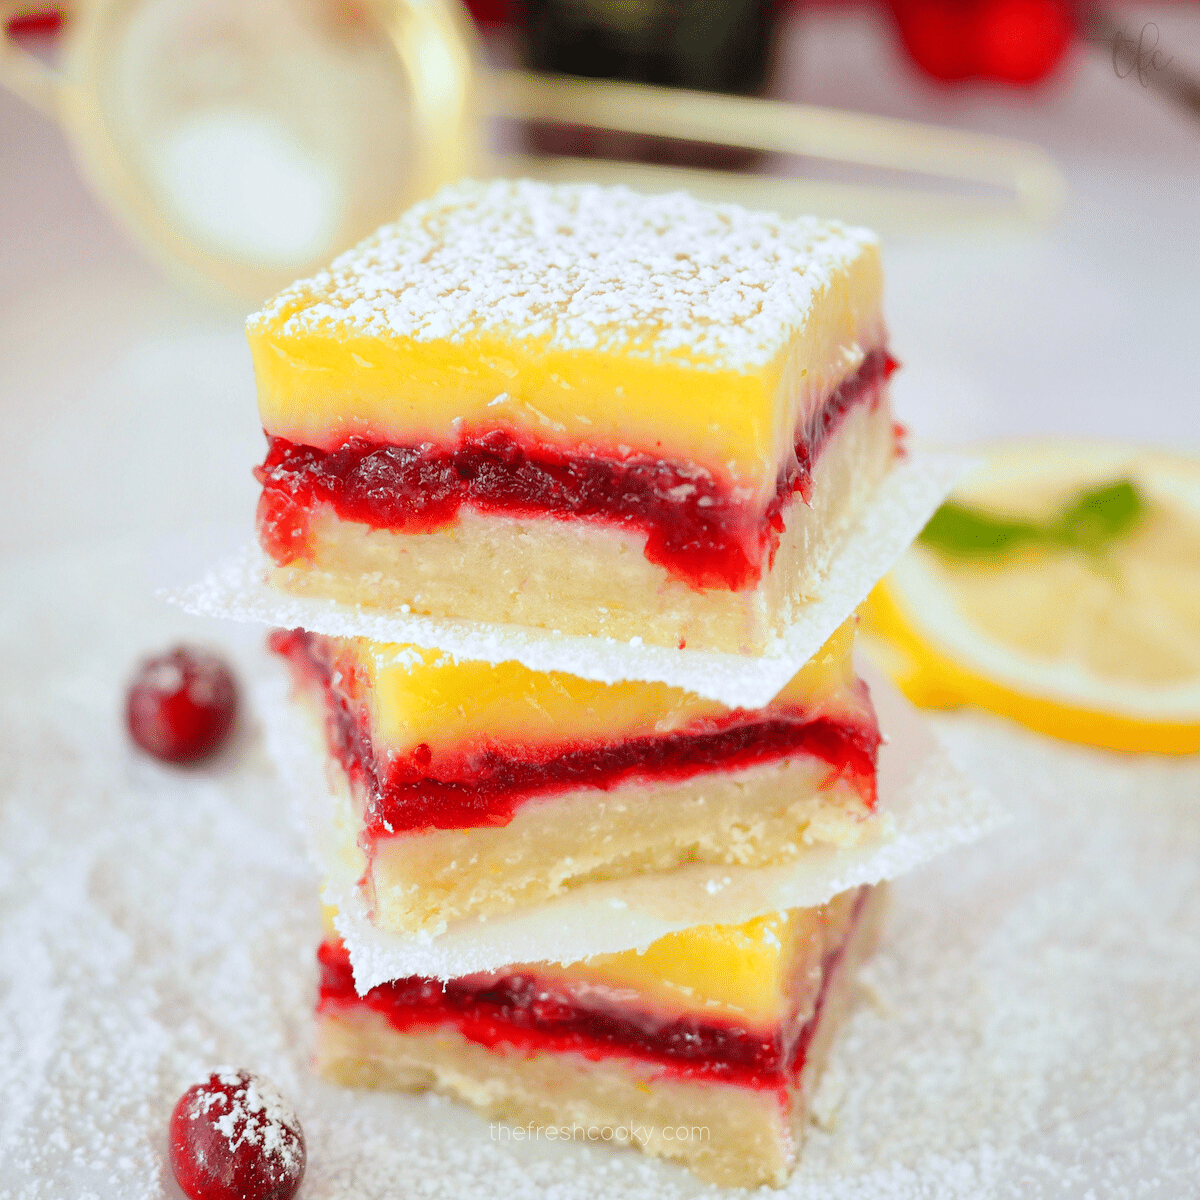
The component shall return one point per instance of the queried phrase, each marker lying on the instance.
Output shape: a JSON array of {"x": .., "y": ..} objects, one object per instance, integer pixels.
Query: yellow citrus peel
[{"x": 1099, "y": 646}]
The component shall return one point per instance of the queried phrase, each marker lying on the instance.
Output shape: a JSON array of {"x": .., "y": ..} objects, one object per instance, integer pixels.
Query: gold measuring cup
[{"x": 247, "y": 141}]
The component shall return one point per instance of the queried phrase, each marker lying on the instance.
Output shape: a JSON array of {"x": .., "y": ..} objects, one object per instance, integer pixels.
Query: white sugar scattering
[
  {"x": 1030, "y": 1026},
  {"x": 154, "y": 921},
  {"x": 712, "y": 286},
  {"x": 926, "y": 807},
  {"x": 894, "y": 515}
]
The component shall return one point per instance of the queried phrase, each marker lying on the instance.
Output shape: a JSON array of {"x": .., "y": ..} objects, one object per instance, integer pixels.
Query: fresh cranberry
[
  {"x": 234, "y": 1137},
  {"x": 35, "y": 23},
  {"x": 938, "y": 35},
  {"x": 1013, "y": 41},
  {"x": 1022, "y": 41},
  {"x": 181, "y": 705}
]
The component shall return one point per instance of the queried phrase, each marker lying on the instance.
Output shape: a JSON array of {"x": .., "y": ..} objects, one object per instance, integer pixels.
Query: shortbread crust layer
[
  {"x": 418, "y": 883},
  {"x": 558, "y": 1048},
  {"x": 760, "y": 816},
  {"x": 466, "y": 790},
  {"x": 593, "y": 578}
]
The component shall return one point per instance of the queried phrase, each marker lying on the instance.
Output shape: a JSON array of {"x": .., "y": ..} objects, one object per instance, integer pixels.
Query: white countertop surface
[{"x": 1034, "y": 1027}]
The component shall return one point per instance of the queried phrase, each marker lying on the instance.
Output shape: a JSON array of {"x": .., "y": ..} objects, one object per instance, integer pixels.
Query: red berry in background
[
  {"x": 939, "y": 34},
  {"x": 1012, "y": 41},
  {"x": 1021, "y": 41},
  {"x": 37, "y": 22},
  {"x": 234, "y": 1137},
  {"x": 181, "y": 705}
]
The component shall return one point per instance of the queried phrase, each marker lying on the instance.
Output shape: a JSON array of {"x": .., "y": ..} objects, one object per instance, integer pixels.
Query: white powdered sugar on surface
[
  {"x": 580, "y": 267},
  {"x": 1030, "y": 1026}
]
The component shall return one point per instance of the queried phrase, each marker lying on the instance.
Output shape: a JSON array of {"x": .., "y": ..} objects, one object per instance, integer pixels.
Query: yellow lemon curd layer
[
  {"x": 734, "y": 971},
  {"x": 417, "y": 696},
  {"x": 690, "y": 332},
  {"x": 746, "y": 972}
]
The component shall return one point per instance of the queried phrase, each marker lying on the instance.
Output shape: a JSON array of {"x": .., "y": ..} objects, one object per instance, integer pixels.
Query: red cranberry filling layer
[
  {"x": 531, "y": 1015},
  {"x": 695, "y": 527},
  {"x": 409, "y": 794}
]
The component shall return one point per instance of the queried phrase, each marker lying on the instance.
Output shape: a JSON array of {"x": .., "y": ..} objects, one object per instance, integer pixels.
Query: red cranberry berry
[
  {"x": 1015, "y": 41},
  {"x": 181, "y": 705},
  {"x": 1022, "y": 41},
  {"x": 938, "y": 35},
  {"x": 234, "y": 1137}
]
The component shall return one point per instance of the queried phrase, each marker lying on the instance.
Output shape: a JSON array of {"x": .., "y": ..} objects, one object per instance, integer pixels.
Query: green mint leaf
[
  {"x": 1090, "y": 522},
  {"x": 964, "y": 532},
  {"x": 1097, "y": 517}
]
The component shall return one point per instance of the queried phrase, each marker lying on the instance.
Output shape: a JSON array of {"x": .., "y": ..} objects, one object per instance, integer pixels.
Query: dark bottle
[
  {"x": 707, "y": 45},
  {"x": 710, "y": 45}
]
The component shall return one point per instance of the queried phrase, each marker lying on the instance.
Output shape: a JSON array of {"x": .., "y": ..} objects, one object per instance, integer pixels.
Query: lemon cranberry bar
[
  {"x": 470, "y": 788},
  {"x": 704, "y": 1048},
  {"x": 576, "y": 408}
]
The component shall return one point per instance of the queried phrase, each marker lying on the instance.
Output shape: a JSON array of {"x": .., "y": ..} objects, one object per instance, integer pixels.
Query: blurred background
[
  {"x": 126, "y": 389},
  {"x": 166, "y": 164}
]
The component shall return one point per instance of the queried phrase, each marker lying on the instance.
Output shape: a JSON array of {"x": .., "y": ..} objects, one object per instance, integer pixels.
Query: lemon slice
[{"x": 1096, "y": 645}]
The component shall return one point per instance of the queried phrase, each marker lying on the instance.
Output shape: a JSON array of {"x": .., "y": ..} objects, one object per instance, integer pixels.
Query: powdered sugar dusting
[
  {"x": 251, "y": 1111},
  {"x": 1030, "y": 1025},
  {"x": 579, "y": 266}
]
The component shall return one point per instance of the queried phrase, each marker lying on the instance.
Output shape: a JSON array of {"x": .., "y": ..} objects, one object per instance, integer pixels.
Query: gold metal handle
[
  {"x": 1025, "y": 183},
  {"x": 20, "y": 72},
  {"x": 437, "y": 45}
]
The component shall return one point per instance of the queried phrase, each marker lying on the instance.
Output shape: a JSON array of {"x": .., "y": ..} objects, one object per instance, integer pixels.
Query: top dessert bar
[{"x": 683, "y": 403}]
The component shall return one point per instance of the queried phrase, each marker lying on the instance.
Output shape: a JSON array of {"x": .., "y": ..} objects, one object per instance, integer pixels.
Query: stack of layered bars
[{"x": 630, "y": 436}]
